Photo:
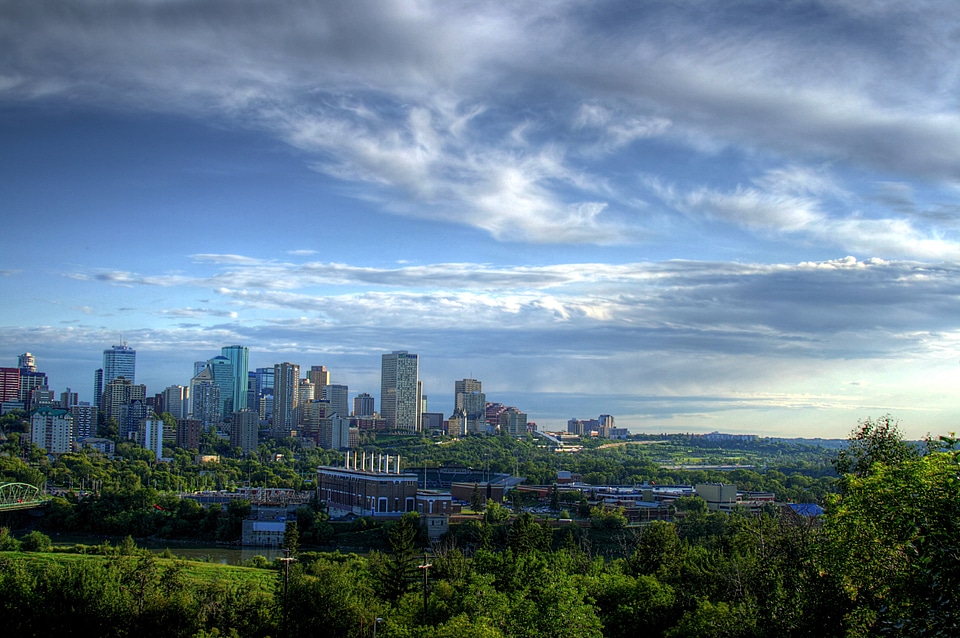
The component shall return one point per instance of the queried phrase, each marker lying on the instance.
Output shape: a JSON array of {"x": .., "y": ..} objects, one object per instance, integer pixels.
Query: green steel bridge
[{"x": 20, "y": 496}]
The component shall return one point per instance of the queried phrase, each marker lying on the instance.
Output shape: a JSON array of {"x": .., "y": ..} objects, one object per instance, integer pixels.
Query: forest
[{"x": 882, "y": 560}]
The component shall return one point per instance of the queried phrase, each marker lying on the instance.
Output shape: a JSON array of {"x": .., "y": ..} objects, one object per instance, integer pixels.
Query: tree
[
  {"x": 495, "y": 513},
  {"x": 873, "y": 442},
  {"x": 659, "y": 551},
  {"x": 398, "y": 572},
  {"x": 527, "y": 535},
  {"x": 477, "y": 501},
  {"x": 908, "y": 514},
  {"x": 291, "y": 538}
]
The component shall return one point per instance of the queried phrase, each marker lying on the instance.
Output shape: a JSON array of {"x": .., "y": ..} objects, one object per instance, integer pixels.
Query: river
[{"x": 190, "y": 550}]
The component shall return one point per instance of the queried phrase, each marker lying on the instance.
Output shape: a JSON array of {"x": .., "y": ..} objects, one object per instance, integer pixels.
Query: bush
[
  {"x": 36, "y": 542},
  {"x": 7, "y": 542}
]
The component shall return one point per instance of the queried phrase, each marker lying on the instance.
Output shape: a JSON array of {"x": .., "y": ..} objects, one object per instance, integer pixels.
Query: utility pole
[
  {"x": 426, "y": 568},
  {"x": 286, "y": 577}
]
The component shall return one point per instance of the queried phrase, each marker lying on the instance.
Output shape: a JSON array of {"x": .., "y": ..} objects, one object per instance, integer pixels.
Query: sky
[{"x": 694, "y": 216}]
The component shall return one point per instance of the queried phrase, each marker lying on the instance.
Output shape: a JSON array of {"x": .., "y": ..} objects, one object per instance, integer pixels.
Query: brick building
[{"x": 367, "y": 485}]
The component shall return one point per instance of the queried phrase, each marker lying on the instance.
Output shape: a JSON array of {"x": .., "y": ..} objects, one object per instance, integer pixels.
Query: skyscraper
[
  {"x": 239, "y": 356},
  {"x": 176, "y": 401},
  {"x": 264, "y": 392},
  {"x": 68, "y": 399},
  {"x": 119, "y": 361},
  {"x": 338, "y": 396},
  {"x": 286, "y": 394},
  {"x": 399, "y": 391},
  {"x": 513, "y": 422},
  {"x": 222, "y": 371},
  {"x": 320, "y": 377},
  {"x": 150, "y": 435},
  {"x": 363, "y": 405},
  {"x": 205, "y": 399},
  {"x": 84, "y": 420},
  {"x": 245, "y": 431},
  {"x": 9, "y": 384},
  {"x": 98, "y": 388},
  {"x": 27, "y": 362},
  {"x": 468, "y": 397}
]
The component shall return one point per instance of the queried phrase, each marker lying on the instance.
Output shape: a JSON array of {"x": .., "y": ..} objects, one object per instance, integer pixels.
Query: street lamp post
[{"x": 375, "y": 623}]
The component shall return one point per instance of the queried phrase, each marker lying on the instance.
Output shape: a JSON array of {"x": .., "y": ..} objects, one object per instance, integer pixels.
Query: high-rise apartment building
[
  {"x": 119, "y": 361},
  {"x": 84, "y": 420},
  {"x": 68, "y": 399},
  {"x": 363, "y": 405},
  {"x": 307, "y": 391},
  {"x": 286, "y": 394},
  {"x": 239, "y": 357},
  {"x": 253, "y": 400},
  {"x": 400, "y": 391},
  {"x": 150, "y": 435},
  {"x": 52, "y": 429},
  {"x": 30, "y": 381},
  {"x": 188, "y": 433},
  {"x": 9, "y": 384},
  {"x": 245, "y": 431},
  {"x": 119, "y": 392},
  {"x": 98, "y": 388},
  {"x": 513, "y": 422},
  {"x": 334, "y": 432},
  {"x": 338, "y": 396},
  {"x": 205, "y": 399},
  {"x": 131, "y": 416}
]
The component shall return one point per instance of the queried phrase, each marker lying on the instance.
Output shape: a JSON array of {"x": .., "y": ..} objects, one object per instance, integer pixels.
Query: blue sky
[{"x": 697, "y": 216}]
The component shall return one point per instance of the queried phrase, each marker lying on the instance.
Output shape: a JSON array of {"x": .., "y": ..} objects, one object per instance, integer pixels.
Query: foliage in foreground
[{"x": 884, "y": 561}]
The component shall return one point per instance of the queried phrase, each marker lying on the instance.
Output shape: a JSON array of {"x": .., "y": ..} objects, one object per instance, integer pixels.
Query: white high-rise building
[
  {"x": 52, "y": 429},
  {"x": 150, "y": 435},
  {"x": 119, "y": 361},
  {"x": 400, "y": 391}
]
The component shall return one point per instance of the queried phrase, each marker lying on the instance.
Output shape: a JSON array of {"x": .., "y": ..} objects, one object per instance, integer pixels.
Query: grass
[{"x": 199, "y": 572}]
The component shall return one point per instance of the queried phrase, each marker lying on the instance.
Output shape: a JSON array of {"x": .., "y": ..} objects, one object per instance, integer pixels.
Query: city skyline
[{"x": 703, "y": 216}]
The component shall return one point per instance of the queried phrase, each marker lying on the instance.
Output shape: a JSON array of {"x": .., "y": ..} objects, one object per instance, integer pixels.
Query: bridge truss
[{"x": 19, "y": 496}]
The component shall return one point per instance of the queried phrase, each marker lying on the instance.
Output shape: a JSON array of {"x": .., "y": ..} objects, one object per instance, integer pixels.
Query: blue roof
[{"x": 807, "y": 509}]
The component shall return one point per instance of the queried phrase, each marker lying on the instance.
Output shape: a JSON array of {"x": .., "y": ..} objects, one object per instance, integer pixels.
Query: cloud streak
[{"x": 417, "y": 103}]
